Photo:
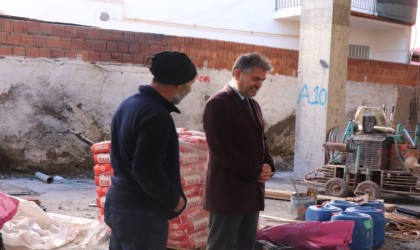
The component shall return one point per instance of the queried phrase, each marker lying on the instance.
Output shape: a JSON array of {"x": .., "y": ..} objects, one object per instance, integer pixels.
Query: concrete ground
[{"x": 77, "y": 197}]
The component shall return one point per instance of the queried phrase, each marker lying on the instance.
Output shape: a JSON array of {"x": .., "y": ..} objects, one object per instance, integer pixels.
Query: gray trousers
[{"x": 232, "y": 231}]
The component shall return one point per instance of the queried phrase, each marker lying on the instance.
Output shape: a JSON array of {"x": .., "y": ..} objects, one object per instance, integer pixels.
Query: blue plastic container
[
  {"x": 363, "y": 229},
  {"x": 375, "y": 204},
  {"x": 378, "y": 218},
  {"x": 321, "y": 213},
  {"x": 343, "y": 204}
]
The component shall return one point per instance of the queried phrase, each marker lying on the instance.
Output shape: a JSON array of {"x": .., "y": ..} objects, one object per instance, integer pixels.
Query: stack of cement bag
[
  {"x": 190, "y": 229},
  {"x": 103, "y": 172}
]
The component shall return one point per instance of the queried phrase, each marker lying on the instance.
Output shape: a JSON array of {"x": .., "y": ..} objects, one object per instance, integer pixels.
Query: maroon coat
[{"x": 237, "y": 150}]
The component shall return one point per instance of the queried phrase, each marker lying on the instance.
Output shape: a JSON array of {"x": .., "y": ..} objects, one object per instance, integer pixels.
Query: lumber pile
[{"x": 286, "y": 196}]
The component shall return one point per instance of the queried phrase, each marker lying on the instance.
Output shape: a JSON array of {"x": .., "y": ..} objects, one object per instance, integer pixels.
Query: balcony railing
[{"x": 403, "y": 11}]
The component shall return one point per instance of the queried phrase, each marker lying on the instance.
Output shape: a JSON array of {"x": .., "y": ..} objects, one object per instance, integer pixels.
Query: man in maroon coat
[{"x": 239, "y": 162}]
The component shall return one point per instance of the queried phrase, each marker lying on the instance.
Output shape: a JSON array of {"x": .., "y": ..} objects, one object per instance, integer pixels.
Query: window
[{"x": 359, "y": 51}]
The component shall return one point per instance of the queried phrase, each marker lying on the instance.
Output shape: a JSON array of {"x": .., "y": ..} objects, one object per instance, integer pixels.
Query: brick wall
[{"x": 34, "y": 39}]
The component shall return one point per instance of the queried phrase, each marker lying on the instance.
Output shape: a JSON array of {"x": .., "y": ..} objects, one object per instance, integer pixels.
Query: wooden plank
[{"x": 286, "y": 195}]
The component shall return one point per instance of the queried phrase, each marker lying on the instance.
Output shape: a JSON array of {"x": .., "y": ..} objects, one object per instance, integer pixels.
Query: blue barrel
[
  {"x": 321, "y": 212},
  {"x": 343, "y": 204},
  {"x": 378, "y": 218},
  {"x": 362, "y": 231},
  {"x": 375, "y": 204}
]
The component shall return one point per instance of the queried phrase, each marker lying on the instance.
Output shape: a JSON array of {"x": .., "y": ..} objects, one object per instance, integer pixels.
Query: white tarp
[{"x": 32, "y": 228}]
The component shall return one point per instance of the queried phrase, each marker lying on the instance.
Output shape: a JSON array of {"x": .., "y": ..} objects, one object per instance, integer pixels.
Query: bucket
[
  {"x": 321, "y": 212},
  {"x": 362, "y": 231},
  {"x": 378, "y": 219},
  {"x": 343, "y": 204},
  {"x": 300, "y": 203}
]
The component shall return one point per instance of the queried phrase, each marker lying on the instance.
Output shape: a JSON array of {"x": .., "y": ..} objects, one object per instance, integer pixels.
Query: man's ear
[{"x": 237, "y": 74}]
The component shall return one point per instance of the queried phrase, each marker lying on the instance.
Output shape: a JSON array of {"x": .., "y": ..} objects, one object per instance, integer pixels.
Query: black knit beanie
[{"x": 172, "y": 67}]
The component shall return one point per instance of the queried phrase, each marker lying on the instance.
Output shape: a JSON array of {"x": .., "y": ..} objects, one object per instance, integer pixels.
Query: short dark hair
[{"x": 249, "y": 61}]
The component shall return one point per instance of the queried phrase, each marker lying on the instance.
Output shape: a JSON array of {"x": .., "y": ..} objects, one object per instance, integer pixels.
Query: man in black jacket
[{"x": 146, "y": 189}]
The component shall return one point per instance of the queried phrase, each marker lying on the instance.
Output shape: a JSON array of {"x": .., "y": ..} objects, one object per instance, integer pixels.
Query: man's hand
[
  {"x": 266, "y": 173},
  {"x": 181, "y": 204}
]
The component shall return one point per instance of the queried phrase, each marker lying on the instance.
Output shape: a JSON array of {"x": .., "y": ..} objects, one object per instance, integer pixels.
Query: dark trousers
[
  {"x": 232, "y": 231},
  {"x": 135, "y": 229}
]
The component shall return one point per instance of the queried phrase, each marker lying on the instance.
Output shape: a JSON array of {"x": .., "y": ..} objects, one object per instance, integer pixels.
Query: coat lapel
[{"x": 256, "y": 119}]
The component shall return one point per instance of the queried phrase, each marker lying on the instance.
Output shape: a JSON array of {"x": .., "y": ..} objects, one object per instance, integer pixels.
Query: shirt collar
[{"x": 236, "y": 90}]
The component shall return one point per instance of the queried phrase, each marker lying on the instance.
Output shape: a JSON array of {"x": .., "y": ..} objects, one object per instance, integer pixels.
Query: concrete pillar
[{"x": 324, "y": 27}]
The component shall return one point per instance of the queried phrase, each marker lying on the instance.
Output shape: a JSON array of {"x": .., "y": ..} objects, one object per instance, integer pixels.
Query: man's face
[
  {"x": 182, "y": 92},
  {"x": 250, "y": 83}
]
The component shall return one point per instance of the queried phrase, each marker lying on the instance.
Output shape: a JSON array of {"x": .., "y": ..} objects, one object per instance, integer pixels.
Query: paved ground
[{"x": 76, "y": 197}]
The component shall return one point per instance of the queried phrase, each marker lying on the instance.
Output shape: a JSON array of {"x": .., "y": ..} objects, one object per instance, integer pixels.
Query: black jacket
[{"x": 145, "y": 154}]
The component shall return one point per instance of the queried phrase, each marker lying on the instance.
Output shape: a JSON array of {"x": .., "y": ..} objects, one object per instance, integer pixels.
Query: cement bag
[{"x": 311, "y": 235}]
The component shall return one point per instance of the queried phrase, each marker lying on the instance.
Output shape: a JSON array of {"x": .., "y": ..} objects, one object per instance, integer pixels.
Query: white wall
[
  {"x": 60, "y": 94},
  {"x": 391, "y": 45}
]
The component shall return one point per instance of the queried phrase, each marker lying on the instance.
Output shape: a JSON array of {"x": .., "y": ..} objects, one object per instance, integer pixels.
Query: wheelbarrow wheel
[
  {"x": 337, "y": 187},
  {"x": 369, "y": 187}
]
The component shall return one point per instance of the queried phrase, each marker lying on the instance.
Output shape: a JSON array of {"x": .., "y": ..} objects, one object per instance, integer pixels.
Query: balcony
[{"x": 397, "y": 11}]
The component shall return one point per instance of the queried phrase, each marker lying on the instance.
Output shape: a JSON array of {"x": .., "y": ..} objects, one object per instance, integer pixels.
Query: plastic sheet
[
  {"x": 322, "y": 235},
  {"x": 32, "y": 228}
]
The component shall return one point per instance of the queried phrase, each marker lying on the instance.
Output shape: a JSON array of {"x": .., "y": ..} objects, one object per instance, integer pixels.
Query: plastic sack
[
  {"x": 311, "y": 234},
  {"x": 8, "y": 208}
]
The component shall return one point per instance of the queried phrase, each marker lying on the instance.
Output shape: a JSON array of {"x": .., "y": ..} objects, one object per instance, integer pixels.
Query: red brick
[
  {"x": 57, "y": 53},
  {"x": 128, "y": 36},
  {"x": 138, "y": 59},
  {"x": 144, "y": 48},
  {"x": 100, "y": 46},
  {"x": 40, "y": 41},
  {"x": 19, "y": 51},
  {"x": 3, "y": 37},
  {"x": 70, "y": 31},
  {"x": 58, "y": 30},
  {"x": 93, "y": 57},
  {"x": 155, "y": 48},
  {"x": 160, "y": 39},
  {"x": 33, "y": 27},
  {"x": 106, "y": 35},
  {"x": 27, "y": 40},
  {"x": 44, "y": 52},
  {"x": 127, "y": 58},
  {"x": 83, "y": 32},
  {"x": 20, "y": 27},
  {"x": 13, "y": 39},
  {"x": 117, "y": 57},
  {"x": 53, "y": 42},
  {"x": 122, "y": 47},
  {"x": 89, "y": 45},
  {"x": 105, "y": 57},
  {"x": 77, "y": 44},
  {"x": 133, "y": 48},
  {"x": 6, "y": 25},
  {"x": 64, "y": 42},
  {"x": 149, "y": 38},
  {"x": 45, "y": 29},
  {"x": 70, "y": 54},
  {"x": 32, "y": 52},
  {"x": 111, "y": 46},
  {"x": 117, "y": 35},
  {"x": 6, "y": 50},
  {"x": 139, "y": 37},
  {"x": 94, "y": 33}
]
